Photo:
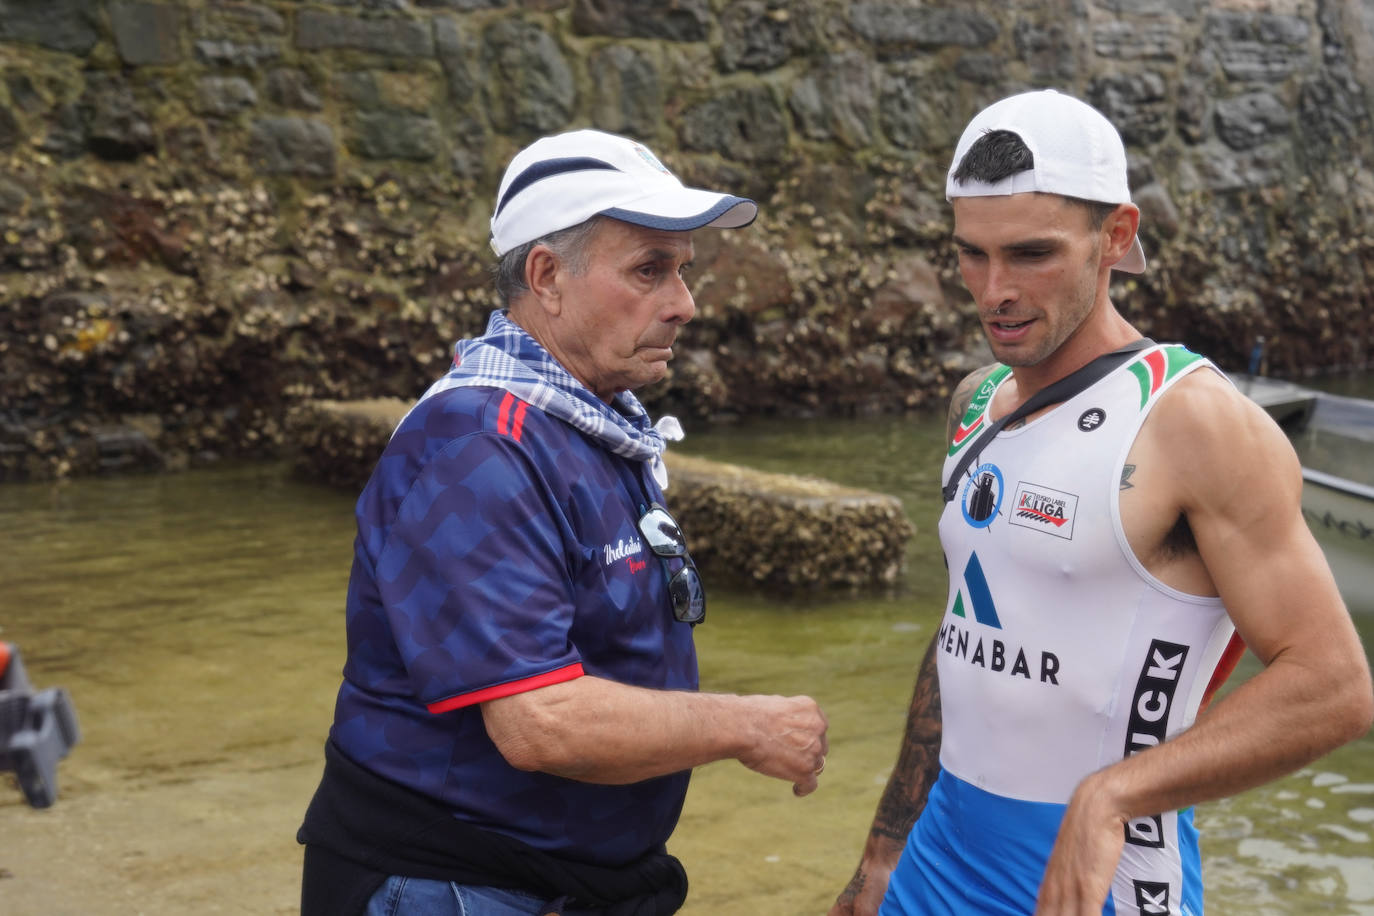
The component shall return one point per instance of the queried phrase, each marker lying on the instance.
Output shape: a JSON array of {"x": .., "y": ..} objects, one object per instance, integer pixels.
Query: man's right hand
[{"x": 787, "y": 740}]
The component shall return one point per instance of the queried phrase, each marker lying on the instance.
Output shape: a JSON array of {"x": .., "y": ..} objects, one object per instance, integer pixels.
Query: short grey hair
[{"x": 569, "y": 245}]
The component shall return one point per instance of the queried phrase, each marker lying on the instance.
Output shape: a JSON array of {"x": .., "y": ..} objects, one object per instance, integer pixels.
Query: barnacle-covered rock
[
  {"x": 782, "y": 532},
  {"x": 338, "y": 442},
  {"x": 786, "y": 532}
]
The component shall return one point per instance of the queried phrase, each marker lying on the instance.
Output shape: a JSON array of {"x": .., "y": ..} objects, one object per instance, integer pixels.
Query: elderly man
[
  {"x": 1118, "y": 520},
  {"x": 519, "y": 711}
]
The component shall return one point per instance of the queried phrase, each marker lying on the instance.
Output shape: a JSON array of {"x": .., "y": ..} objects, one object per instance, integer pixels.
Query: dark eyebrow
[
  {"x": 1024, "y": 245},
  {"x": 1032, "y": 243}
]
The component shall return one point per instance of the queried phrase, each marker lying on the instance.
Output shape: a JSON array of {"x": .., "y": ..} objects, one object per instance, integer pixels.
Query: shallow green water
[{"x": 196, "y": 620}]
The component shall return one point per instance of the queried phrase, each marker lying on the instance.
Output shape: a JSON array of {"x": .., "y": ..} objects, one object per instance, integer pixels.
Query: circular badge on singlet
[
  {"x": 982, "y": 495},
  {"x": 1091, "y": 419}
]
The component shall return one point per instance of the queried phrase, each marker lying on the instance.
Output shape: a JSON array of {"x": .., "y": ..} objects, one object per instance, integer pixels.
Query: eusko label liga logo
[{"x": 1041, "y": 508}]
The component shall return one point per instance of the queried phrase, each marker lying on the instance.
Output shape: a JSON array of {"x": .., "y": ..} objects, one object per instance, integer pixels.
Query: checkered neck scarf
[{"x": 507, "y": 357}]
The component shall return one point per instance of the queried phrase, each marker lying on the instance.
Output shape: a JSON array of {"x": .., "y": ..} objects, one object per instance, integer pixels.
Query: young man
[
  {"x": 1109, "y": 556},
  {"x": 519, "y": 713}
]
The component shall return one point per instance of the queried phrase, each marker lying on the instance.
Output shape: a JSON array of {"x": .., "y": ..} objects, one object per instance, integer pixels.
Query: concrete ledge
[{"x": 778, "y": 531}]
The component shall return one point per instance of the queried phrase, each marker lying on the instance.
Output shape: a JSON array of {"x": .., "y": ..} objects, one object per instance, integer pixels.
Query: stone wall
[{"x": 212, "y": 210}]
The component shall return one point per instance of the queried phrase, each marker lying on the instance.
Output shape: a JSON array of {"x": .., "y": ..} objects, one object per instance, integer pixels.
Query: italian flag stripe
[
  {"x": 1158, "y": 366},
  {"x": 963, "y": 432},
  {"x": 977, "y": 409}
]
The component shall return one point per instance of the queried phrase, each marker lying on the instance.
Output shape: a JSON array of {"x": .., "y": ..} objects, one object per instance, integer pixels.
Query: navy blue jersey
[{"x": 498, "y": 552}]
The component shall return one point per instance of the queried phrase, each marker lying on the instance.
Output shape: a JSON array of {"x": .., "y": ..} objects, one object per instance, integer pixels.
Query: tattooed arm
[{"x": 918, "y": 763}]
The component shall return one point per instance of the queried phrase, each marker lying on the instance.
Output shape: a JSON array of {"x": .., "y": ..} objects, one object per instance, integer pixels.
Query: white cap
[
  {"x": 1077, "y": 152},
  {"x": 561, "y": 181}
]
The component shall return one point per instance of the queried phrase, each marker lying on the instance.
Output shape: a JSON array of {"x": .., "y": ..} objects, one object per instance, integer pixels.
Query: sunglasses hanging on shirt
[{"x": 664, "y": 537}]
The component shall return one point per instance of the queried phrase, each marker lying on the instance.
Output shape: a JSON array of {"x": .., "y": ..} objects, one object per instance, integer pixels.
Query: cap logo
[{"x": 651, "y": 159}]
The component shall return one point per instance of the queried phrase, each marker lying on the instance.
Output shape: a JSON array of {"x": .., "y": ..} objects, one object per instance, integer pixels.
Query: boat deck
[
  {"x": 1290, "y": 404},
  {"x": 1333, "y": 436}
]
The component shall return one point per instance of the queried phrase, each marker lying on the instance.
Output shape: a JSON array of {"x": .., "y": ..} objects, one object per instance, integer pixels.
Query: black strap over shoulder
[{"x": 1055, "y": 393}]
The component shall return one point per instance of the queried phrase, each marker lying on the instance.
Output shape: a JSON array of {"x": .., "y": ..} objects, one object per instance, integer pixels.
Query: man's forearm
[
  {"x": 1280, "y": 720},
  {"x": 595, "y": 730},
  {"x": 903, "y": 799},
  {"x": 918, "y": 763},
  {"x": 1276, "y": 722}
]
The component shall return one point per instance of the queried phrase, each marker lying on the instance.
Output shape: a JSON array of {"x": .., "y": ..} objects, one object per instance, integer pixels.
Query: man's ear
[
  {"x": 1118, "y": 231},
  {"x": 542, "y": 270}
]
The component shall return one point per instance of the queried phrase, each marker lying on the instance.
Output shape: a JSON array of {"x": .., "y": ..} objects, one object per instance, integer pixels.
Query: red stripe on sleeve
[
  {"x": 517, "y": 425},
  {"x": 1158, "y": 369},
  {"x": 568, "y": 673},
  {"x": 503, "y": 417}
]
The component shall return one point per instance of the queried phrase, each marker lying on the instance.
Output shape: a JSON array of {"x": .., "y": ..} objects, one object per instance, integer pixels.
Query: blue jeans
[{"x": 401, "y": 896}]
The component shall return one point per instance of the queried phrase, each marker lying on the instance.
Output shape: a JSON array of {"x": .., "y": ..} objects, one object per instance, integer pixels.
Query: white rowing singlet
[{"x": 1058, "y": 652}]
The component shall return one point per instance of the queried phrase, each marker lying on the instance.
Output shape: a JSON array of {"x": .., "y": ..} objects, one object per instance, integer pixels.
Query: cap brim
[
  {"x": 1133, "y": 261},
  {"x": 685, "y": 209}
]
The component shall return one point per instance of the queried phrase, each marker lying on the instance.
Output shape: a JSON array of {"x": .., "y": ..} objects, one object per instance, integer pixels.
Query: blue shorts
[{"x": 973, "y": 852}]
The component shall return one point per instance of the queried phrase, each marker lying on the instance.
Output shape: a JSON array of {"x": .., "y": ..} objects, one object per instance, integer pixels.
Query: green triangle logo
[{"x": 959, "y": 605}]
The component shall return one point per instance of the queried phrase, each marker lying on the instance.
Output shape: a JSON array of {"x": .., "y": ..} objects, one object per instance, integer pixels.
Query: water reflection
[{"x": 196, "y": 620}]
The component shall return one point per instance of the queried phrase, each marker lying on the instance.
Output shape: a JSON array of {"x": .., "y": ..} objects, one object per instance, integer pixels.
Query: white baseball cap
[
  {"x": 561, "y": 181},
  {"x": 1077, "y": 153}
]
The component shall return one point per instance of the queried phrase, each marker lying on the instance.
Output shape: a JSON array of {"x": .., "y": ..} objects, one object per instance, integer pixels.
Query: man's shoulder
[
  {"x": 467, "y": 424},
  {"x": 465, "y": 410},
  {"x": 1203, "y": 421},
  {"x": 1196, "y": 396},
  {"x": 966, "y": 391}
]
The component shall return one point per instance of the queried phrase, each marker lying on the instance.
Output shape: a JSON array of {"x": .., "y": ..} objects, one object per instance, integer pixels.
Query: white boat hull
[
  {"x": 1334, "y": 438},
  {"x": 1338, "y": 504}
]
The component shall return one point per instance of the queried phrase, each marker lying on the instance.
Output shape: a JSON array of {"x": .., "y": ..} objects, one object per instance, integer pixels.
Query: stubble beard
[{"x": 1076, "y": 312}]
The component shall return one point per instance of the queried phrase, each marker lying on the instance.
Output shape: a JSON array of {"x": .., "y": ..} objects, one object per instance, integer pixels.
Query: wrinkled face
[
  {"x": 1032, "y": 263},
  {"x": 619, "y": 317}
]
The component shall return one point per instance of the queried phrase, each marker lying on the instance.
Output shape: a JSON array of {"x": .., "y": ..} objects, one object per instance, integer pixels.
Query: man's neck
[
  {"x": 1084, "y": 346},
  {"x": 1102, "y": 333}
]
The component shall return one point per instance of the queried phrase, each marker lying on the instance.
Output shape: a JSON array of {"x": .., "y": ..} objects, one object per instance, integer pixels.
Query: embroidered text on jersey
[{"x": 621, "y": 550}]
